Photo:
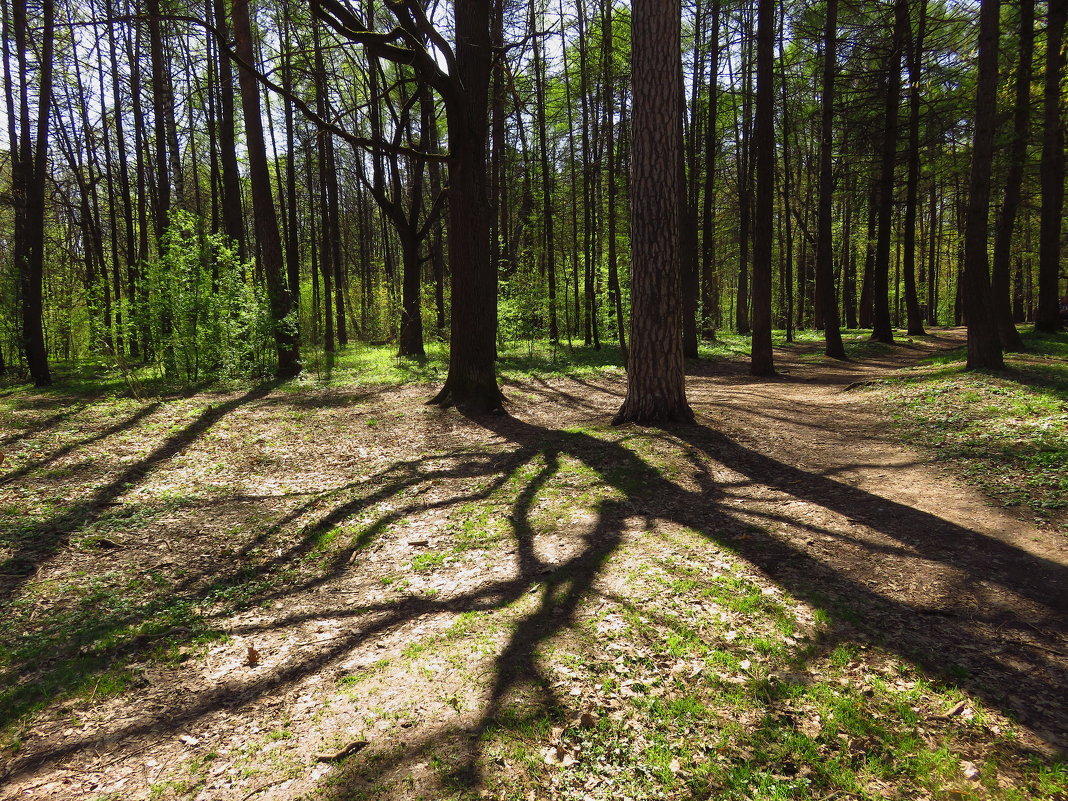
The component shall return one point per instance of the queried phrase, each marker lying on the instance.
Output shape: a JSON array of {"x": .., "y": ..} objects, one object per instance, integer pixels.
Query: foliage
[{"x": 204, "y": 309}]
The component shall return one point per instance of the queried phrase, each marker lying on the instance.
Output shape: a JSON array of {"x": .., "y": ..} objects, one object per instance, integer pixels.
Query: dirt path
[{"x": 384, "y": 525}]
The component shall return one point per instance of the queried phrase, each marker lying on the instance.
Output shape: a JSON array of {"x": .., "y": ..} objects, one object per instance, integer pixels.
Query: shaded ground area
[{"x": 346, "y": 594}]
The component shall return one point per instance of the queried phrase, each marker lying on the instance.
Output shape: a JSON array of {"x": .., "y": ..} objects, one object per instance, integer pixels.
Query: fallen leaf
[
  {"x": 188, "y": 740},
  {"x": 675, "y": 767},
  {"x": 970, "y": 771}
]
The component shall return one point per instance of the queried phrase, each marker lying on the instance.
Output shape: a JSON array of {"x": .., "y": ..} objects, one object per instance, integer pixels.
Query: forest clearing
[
  {"x": 328, "y": 589},
  {"x": 593, "y": 400}
]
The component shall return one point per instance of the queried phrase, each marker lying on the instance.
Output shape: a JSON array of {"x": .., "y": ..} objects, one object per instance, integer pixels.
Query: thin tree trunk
[
  {"x": 761, "y": 361},
  {"x": 908, "y": 268},
  {"x": 267, "y": 236},
  {"x": 882, "y": 329},
  {"x": 1047, "y": 317},
  {"x": 827, "y": 299}
]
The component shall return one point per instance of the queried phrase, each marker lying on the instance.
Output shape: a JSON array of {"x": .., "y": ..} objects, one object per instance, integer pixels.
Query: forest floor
[{"x": 337, "y": 592}]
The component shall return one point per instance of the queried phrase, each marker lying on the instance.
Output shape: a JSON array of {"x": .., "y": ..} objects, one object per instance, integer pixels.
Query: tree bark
[
  {"x": 984, "y": 346},
  {"x": 471, "y": 384},
  {"x": 761, "y": 361},
  {"x": 912, "y": 182},
  {"x": 656, "y": 389},
  {"x": 1000, "y": 284},
  {"x": 29, "y": 152},
  {"x": 268, "y": 238},
  {"x": 882, "y": 329},
  {"x": 1047, "y": 317},
  {"x": 828, "y": 300}
]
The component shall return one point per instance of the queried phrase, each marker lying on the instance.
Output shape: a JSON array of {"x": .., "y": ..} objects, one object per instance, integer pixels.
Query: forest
[{"x": 524, "y": 400}]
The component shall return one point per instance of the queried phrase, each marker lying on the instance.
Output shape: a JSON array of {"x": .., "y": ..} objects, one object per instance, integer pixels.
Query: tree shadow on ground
[
  {"x": 989, "y": 590},
  {"x": 961, "y": 636}
]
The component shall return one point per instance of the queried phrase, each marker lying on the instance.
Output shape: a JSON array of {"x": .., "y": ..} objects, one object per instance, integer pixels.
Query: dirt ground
[{"x": 336, "y": 496}]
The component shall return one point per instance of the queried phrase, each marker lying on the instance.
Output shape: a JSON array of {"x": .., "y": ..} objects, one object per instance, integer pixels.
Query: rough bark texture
[
  {"x": 828, "y": 301},
  {"x": 761, "y": 361},
  {"x": 1021, "y": 120},
  {"x": 1049, "y": 243},
  {"x": 267, "y": 236},
  {"x": 656, "y": 389},
  {"x": 984, "y": 347}
]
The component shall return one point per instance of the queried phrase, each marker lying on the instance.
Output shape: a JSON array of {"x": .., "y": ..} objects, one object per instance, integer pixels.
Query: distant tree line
[{"x": 215, "y": 188}]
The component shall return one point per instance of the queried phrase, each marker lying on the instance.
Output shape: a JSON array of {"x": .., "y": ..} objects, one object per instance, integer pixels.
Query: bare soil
[{"x": 335, "y": 496}]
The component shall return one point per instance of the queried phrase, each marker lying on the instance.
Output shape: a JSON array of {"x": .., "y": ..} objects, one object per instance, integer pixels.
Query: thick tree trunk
[
  {"x": 411, "y": 329},
  {"x": 656, "y": 389},
  {"x": 471, "y": 383},
  {"x": 984, "y": 346},
  {"x": 29, "y": 151},
  {"x": 1049, "y": 243},
  {"x": 1000, "y": 284}
]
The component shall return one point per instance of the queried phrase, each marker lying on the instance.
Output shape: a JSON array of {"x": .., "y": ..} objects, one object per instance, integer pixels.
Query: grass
[
  {"x": 1007, "y": 432},
  {"x": 701, "y": 680}
]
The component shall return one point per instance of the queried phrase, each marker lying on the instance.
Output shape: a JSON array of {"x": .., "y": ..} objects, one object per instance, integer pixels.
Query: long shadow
[
  {"x": 957, "y": 632},
  {"x": 960, "y": 639},
  {"x": 38, "y": 427},
  {"x": 122, "y": 425},
  {"x": 42, "y": 540}
]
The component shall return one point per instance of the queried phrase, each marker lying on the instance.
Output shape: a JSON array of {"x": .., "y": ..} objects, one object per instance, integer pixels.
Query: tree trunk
[
  {"x": 984, "y": 346},
  {"x": 761, "y": 361},
  {"x": 29, "y": 152},
  {"x": 656, "y": 389},
  {"x": 908, "y": 268},
  {"x": 267, "y": 236},
  {"x": 709, "y": 295},
  {"x": 882, "y": 329},
  {"x": 548, "y": 221},
  {"x": 828, "y": 301},
  {"x": 1000, "y": 283},
  {"x": 1047, "y": 316},
  {"x": 471, "y": 384}
]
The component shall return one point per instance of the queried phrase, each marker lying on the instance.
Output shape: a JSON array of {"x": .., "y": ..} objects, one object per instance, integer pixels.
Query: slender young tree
[
  {"x": 882, "y": 327},
  {"x": 761, "y": 361},
  {"x": 1047, "y": 317},
  {"x": 828, "y": 300},
  {"x": 656, "y": 381},
  {"x": 912, "y": 181},
  {"x": 267, "y": 235}
]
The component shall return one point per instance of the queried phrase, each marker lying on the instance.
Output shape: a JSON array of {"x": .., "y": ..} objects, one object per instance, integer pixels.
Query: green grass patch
[{"x": 1007, "y": 432}]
